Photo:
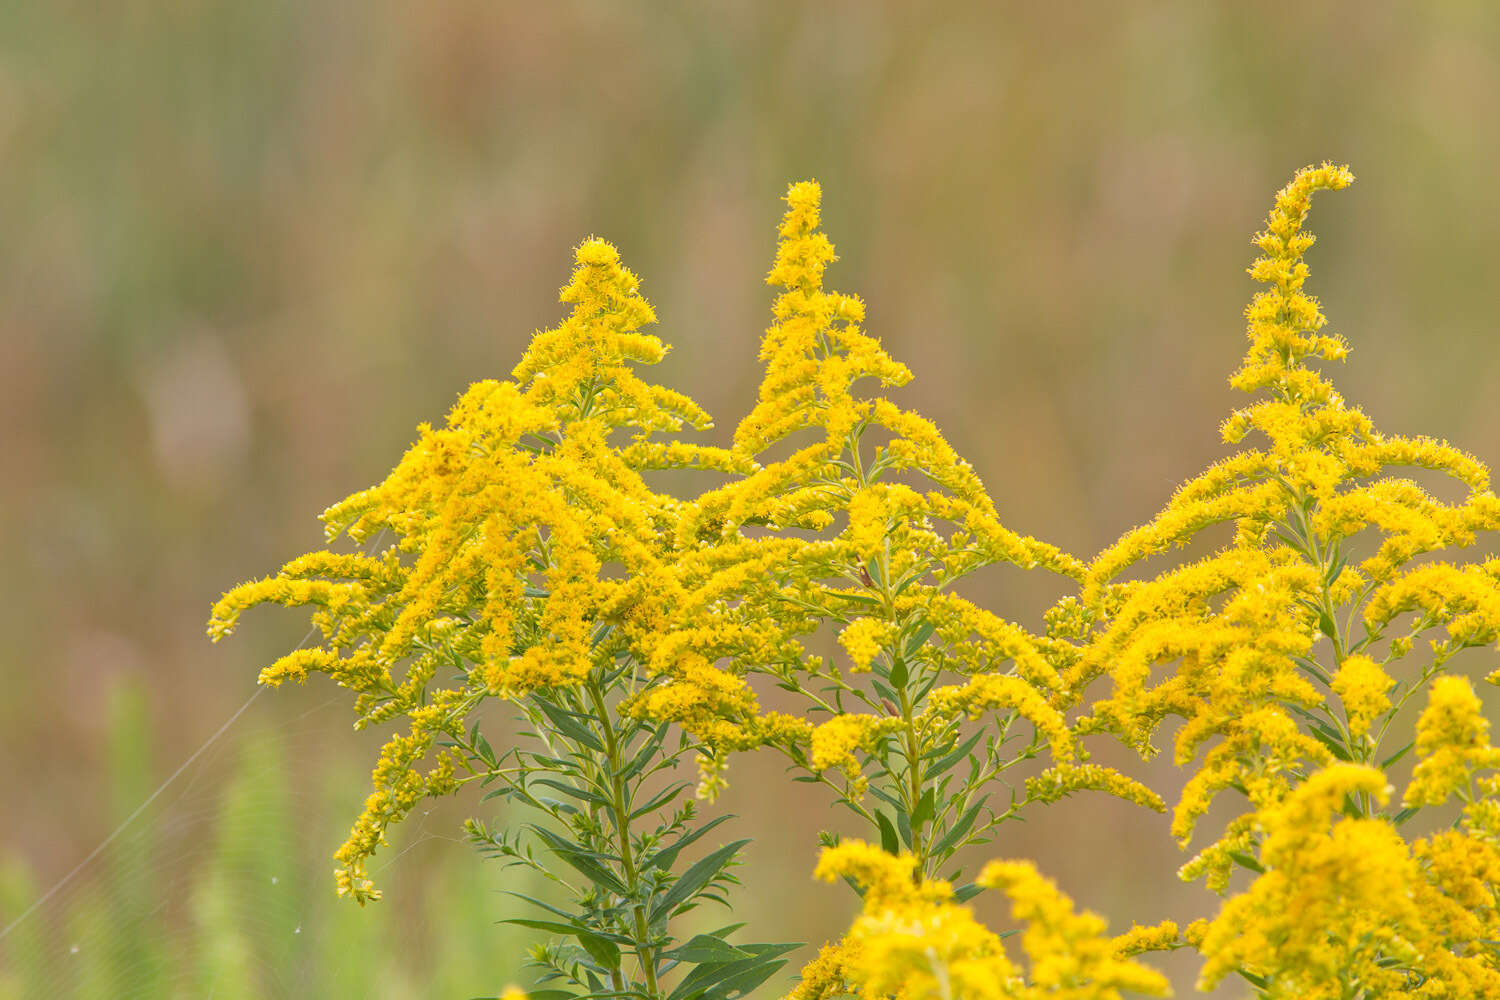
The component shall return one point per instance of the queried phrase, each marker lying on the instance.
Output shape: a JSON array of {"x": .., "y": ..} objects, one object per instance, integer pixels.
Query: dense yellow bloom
[
  {"x": 913, "y": 941},
  {"x": 863, "y": 638},
  {"x": 1068, "y": 952},
  {"x": 1452, "y": 742},
  {"x": 1064, "y": 779},
  {"x": 523, "y": 550},
  {"x": 518, "y": 550},
  {"x": 1354, "y": 907},
  {"x": 861, "y": 520},
  {"x": 1158, "y": 937},
  {"x": 1362, "y": 685},
  {"x": 1332, "y": 905},
  {"x": 834, "y": 743},
  {"x": 988, "y": 692},
  {"x": 1283, "y": 656},
  {"x": 714, "y": 706}
]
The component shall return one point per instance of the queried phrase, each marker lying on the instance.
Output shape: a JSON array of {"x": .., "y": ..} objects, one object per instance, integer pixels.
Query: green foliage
[
  {"x": 233, "y": 903},
  {"x": 615, "y": 831}
]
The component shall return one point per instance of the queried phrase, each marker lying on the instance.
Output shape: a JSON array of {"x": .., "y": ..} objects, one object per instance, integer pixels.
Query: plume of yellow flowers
[
  {"x": 858, "y": 516},
  {"x": 519, "y": 541},
  {"x": 1289, "y": 653}
]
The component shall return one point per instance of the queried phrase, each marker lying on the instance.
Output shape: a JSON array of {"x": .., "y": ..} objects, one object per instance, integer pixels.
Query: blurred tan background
[{"x": 245, "y": 248}]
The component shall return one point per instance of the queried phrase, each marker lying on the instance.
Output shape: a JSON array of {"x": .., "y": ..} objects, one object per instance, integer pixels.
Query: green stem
[
  {"x": 620, "y": 807},
  {"x": 914, "y": 777},
  {"x": 1321, "y": 556}
]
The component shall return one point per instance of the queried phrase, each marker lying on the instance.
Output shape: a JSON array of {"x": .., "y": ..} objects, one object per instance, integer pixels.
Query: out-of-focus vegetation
[
  {"x": 220, "y": 892},
  {"x": 245, "y": 247}
]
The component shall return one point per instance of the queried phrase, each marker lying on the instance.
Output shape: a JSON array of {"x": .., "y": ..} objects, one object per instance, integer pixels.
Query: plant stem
[{"x": 620, "y": 807}]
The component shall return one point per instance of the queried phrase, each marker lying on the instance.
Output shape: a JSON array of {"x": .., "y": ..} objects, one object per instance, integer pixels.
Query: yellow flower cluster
[
  {"x": 518, "y": 550},
  {"x": 1288, "y": 662},
  {"x": 866, "y": 525},
  {"x": 523, "y": 544},
  {"x": 1057, "y": 782},
  {"x": 914, "y": 941},
  {"x": 863, "y": 639},
  {"x": 1363, "y": 687},
  {"x": 1353, "y": 910},
  {"x": 1452, "y": 742}
]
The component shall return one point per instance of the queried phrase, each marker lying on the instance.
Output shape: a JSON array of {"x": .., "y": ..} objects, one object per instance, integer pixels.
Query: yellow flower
[
  {"x": 1164, "y": 936},
  {"x": 1064, "y": 779},
  {"x": 834, "y": 742},
  {"x": 862, "y": 640},
  {"x": 1362, "y": 685},
  {"x": 914, "y": 941},
  {"x": 1069, "y": 954},
  {"x": 516, "y": 531},
  {"x": 1452, "y": 743}
]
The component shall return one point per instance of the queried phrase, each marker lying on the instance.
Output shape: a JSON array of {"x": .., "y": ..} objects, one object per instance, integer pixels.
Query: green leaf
[
  {"x": 964, "y": 893},
  {"x": 1326, "y": 624},
  {"x": 702, "y": 948},
  {"x": 662, "y": 798},
  {"x": 1259, "y": 982},
  {"x": 648, "y": 750},
  {"x": 726, "y": 979},
  {"x": 599, "y": 948},
  {"x": 606, "y": 953},
  {"x": 699, "y": 874},
  {"x": 1397, "y": 755},
  {"x": 587, "y": 863},
  {"x": 919, "y": 638},
  {"x": 866, "y": 599},
  {"x": 569, "y": 726},
  {"x": 898, "y": 675},
  {"x": 538, "y": 903},
  {"x": 481, "y": 744},
  {"x": 1336, "y": 566},
  {"x": 955, "y": 832},
  {"x": 573, "y": 791},
  {"x": 923, "y": 812},
  {"x": 1331, "y": 740},
  {"x": 921, "y": 693},
  {"x": 1246, "y": 861},
  {"x": 955, "y": 756},
  {"x": 756, "y": 971},
  {"x": 888, "y": 841},
  {"x": 667, "y": 856}
]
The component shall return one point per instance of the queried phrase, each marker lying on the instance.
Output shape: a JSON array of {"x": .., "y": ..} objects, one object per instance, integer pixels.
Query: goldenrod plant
[
  {"x": 521, "y": 542},
  {"x": 1290, "y": 654},
  {"x": 810, "y": 605},
  {"x": 861, "y": 528}
]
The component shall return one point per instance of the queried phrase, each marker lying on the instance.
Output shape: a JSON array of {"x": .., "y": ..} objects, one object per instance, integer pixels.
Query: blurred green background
[{"x": 246, "y": 247}]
